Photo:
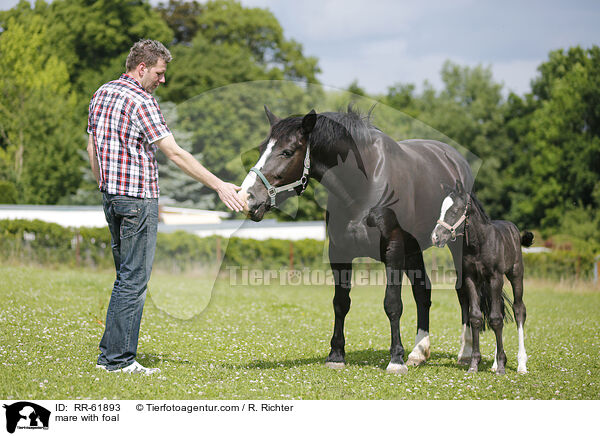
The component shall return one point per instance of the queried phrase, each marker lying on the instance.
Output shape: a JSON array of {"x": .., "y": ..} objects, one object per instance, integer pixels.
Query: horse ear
[
  {"x": 308, "y": 122},
  {"x": 446, "y": 189},
  {"x": 271, "y": 116}
]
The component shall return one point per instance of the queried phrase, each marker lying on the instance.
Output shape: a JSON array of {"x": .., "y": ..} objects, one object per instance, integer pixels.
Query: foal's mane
[{"x": 476, "y": 204}]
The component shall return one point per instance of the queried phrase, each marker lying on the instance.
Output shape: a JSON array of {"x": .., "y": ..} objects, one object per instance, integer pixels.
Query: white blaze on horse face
[
  {"x": 446, "y": 204},
  {"x": 251, "y": 177}
]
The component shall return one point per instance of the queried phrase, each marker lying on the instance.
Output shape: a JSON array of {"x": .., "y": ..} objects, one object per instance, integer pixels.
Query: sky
[{"x": 380, "y": 43}]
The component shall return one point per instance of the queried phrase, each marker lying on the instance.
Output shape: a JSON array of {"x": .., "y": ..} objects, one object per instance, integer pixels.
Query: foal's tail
[
  {"x": 485, "y": 299},
  {"x": 526, "y": 239}
]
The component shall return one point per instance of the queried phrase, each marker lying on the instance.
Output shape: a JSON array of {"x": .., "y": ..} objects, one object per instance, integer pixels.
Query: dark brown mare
[
  {"x": 384, "y": 200},
  {"x": 491, "y": 250}
]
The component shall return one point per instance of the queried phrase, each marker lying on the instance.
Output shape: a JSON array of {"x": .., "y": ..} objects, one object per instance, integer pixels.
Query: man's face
[{"x": 154, "y": 76}]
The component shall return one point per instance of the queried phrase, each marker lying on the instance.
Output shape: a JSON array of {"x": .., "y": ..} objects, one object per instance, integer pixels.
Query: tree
[
  {"x": 37, "y": 125},
  {"x": 87, "y": 35},
  {"x": 182, "y": 18},
  {"x": 470, "y": 110},
  {"x": 559, "y": 139},
  {"x": 234, "y": 44}
]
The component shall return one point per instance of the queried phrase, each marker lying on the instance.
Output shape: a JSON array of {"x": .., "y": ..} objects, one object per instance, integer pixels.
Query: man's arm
[
  {"x": 93, "y": 159},
  {"x": 184, "y": 160}
]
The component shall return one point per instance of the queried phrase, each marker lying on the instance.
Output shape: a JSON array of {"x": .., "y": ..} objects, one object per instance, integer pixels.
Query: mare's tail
[
  {"x": 485, "y": 299},
  {"x": 526, "y": 239}
]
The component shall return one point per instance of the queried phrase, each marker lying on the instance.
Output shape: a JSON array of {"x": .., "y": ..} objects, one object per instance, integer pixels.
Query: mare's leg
[
  {"x": 466, "y": 343},
  {"x": 497, "y": 322},
  {"x": 393, "y": 257},
  {"x": 421, "y": 287},
  {"x": 342, "y": 273},
  {"x": 516, "y": 280},
  {"x": 476, "y": 320}
]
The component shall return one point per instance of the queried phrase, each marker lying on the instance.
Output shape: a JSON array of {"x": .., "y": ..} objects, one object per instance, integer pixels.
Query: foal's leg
[
  {"x": 342, "y": 273},
  {"x": 421, "y": 287},
  {"x": 516, "y": 281},
  {"x": 466, "y": 341},
  {"x": 393, "y": 257},
  {"x": 476, "y": 320},
  {"x": 496, "y": 323}
]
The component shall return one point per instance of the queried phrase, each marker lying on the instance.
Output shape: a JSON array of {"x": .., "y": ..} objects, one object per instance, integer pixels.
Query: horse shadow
[
  {"x": 155, "y": 360},
  {"x": 362, "y": 358},
  {"x": 353, "y": 358}
]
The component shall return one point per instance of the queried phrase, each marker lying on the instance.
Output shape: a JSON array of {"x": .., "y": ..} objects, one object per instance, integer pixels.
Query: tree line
[{"x": 539, "y": 152}]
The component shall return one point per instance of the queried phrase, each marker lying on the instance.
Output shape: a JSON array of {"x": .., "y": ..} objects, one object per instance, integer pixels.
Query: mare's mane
[{"x": 331, "y": 127}]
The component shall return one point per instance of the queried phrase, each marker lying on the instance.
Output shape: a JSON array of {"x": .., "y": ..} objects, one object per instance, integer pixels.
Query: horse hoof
[
  {"x": 397, "y": 368},
  {"x": 522, "y": 371},
  {"x": 464, "y": 360},
  {"x": 335, "y": 365},
  {"x": 472, "y": 370}
]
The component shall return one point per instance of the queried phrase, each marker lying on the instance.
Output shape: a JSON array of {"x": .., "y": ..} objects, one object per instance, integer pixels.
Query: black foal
[{"x": 491, "y": 249}]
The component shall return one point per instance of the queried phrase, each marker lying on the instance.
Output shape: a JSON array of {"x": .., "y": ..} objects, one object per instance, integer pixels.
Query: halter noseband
[
  {"x": 453, "y": 228},
  {"x": 303, "y": 181}
]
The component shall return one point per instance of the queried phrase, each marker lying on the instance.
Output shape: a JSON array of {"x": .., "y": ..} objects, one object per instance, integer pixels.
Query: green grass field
[{"x": 270, "y": 342}]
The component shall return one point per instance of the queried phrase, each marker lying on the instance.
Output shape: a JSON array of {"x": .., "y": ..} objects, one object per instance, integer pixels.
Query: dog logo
[{"x": 26, "y": 415}]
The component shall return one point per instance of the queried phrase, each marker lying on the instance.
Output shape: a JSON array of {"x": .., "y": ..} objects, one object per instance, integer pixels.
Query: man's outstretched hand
[{"x": 228, "y": 195}]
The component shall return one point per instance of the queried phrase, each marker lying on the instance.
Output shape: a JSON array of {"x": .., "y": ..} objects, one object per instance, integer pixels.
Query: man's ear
[
  {"x": 271, "y": 116},
  {"x": 308, "y": 122},
  {"x": 141, "y": 69}
]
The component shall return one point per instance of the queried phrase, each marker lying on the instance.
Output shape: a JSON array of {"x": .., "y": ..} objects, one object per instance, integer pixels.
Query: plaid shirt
[{"x": 125, "y": 122}]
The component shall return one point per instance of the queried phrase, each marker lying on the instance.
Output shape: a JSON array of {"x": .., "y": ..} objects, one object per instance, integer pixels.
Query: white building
[{"x": 196, "y": 221}]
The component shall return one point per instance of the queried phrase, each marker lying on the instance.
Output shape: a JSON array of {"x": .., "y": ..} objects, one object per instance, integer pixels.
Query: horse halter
[
  {"x": 303, "y": 181},
  {"x": 453, "y": 228}
]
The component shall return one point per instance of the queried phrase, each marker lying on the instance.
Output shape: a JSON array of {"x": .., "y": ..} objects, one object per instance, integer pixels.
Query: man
[{"x": 125, "y": 127}]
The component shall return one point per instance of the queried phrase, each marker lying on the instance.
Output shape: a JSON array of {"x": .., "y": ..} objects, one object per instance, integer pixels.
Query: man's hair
[{"x": 147, "y": 51}]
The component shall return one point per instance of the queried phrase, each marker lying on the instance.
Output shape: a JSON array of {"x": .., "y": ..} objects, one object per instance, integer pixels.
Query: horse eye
[{"x": 287, "y": 153}]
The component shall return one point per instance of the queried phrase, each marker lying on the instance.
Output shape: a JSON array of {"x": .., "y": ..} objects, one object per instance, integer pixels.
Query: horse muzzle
[
  {"x": 438, "y": 238},
  {"x": 255, "y": 208}
]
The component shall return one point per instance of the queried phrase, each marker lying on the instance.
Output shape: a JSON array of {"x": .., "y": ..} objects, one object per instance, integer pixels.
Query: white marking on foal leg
[
  {"x": 495, "y": 365},
  {"x": 466, "y": 346},
  {"x": 420, "y": 352},
  {"x": 522, "y": 355}
]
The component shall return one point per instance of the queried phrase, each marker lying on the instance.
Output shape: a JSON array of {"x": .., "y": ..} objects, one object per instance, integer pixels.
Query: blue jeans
[{"x": 133, "y": 224}]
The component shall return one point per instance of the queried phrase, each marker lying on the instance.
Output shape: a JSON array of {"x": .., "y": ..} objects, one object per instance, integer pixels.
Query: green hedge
[
  {"x": 557, "y": 265},
  {"x": 44, "y": 243}
]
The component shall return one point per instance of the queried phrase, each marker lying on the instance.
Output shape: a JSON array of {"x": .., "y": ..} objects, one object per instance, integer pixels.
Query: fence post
[{"x": 77, "y": 249}]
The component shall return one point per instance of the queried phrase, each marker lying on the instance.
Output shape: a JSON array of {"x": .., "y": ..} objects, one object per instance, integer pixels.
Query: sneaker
[
  {"x": 136, "y": 368},
  {"x": 101, "y": 367}
]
